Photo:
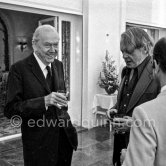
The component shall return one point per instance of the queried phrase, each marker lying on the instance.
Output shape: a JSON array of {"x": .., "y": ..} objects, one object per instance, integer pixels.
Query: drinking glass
[
  {"x": 63, "y": 109},
  {"x": 118, "y": 115}
]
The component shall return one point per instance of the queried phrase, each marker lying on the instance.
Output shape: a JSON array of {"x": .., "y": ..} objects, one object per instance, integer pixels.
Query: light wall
[
  {"x": 146, "y": 12},
  {"x": 66, "y": 6},
  {"x": 100, "y": 19}
]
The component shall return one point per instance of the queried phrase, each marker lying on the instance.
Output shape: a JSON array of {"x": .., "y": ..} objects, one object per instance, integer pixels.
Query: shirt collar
[
  {"x": 41, "y": 64},
  {"x": 163, "y": 88},
  {"x": 141, "y": 67}
]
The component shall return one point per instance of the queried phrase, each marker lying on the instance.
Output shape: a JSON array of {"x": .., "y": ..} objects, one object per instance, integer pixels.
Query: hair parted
[
  {"x": 135, "y": 38},
  {"x": 43, "y": 29}
]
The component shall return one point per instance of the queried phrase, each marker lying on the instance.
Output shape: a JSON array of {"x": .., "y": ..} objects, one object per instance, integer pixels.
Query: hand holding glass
[
  {"x": 63, "y": 108},
  {"x": 111, "y": 114},
  {"x": 64, "y": 94},
  {"x": 122, "y": 123}
]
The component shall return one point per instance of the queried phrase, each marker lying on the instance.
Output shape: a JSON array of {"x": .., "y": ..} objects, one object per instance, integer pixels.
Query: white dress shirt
[
  {"x": 43, "y": 68},
  {"x": 42, "y": 65}
]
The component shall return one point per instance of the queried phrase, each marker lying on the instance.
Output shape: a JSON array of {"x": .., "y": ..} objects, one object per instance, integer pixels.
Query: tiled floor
[
  {"x": 95, "y": 149},
  {"x": 6, "y": 128}
]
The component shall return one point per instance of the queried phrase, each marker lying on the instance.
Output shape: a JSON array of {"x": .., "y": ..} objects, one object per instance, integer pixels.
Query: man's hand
[
  {"x": 55, "y": 99},
  {"x": 111, "y": 112},
  {"x": 121, "y": 125},
  {"x": 123, "y": 154}
]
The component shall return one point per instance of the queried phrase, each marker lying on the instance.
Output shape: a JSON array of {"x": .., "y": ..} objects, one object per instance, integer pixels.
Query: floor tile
[{"x": 95, "y": 149}]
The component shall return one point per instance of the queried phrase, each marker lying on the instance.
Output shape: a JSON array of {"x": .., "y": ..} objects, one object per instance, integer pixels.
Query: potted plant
[{"x": 108, "y": 78}]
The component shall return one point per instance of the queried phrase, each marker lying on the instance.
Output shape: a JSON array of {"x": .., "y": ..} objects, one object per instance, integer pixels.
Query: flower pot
[{"x": 110, "y": 90}]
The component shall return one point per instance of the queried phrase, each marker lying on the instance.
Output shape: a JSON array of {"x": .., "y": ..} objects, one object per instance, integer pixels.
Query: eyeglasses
[{"x": 129, "y": 50}]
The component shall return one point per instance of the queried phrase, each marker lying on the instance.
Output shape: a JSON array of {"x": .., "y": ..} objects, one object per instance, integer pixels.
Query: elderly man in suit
[
  {"x": 137, "y": 85},
  {"x": 48, "y": 136},
  {"x": 147, "y": 145}
]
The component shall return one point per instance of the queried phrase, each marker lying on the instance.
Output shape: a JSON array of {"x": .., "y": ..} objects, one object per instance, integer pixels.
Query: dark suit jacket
[
  {"x": 25, "y": 97},
  {"x": 147, "y": 88}
]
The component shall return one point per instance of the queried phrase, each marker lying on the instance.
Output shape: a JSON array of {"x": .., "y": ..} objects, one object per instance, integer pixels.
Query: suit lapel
[
  {"x": 36, "y": 70},
  {"x": 143, "y": 82},
  {"x": 120, "y": 91},
  {"x": 55, "y": 77}
]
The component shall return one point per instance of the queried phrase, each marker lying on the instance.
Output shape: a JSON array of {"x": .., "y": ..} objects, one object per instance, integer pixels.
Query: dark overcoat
[{"x": 40, "y": 127}]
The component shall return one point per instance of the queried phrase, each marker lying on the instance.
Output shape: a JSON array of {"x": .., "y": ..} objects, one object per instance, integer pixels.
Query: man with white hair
[{"x": 32, "y": 94}]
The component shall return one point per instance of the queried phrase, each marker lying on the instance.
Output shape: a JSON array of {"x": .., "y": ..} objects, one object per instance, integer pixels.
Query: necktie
[
  {"x": 134, "y": 77},
  {"x": 49, "y": 77},
  {"x": 127, "y": 76},
  {"x": 131, "y": 80}
]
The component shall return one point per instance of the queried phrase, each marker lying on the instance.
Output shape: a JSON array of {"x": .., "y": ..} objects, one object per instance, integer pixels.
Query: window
[{"x": 152, "y": 31}]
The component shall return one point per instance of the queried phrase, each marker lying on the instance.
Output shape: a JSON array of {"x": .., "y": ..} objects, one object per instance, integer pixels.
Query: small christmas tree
[{"x": 108, "y": 78}]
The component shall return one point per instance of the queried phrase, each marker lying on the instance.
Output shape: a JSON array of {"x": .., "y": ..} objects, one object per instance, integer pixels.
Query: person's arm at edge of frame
[{"x": 142, "y": 145}]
